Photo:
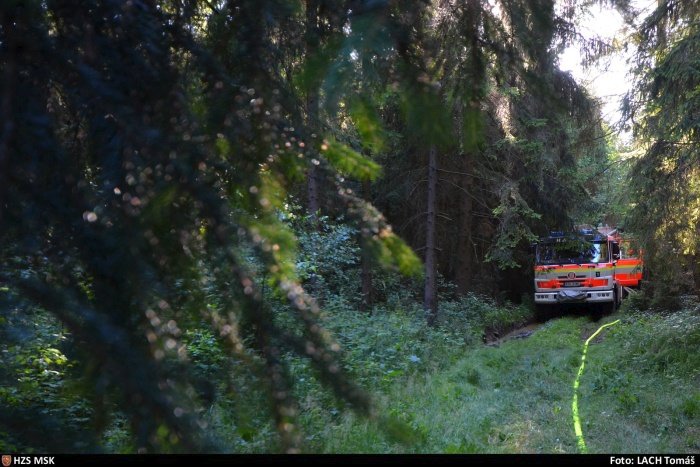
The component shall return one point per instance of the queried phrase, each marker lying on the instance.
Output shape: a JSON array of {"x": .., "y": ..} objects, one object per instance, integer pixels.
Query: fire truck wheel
[
  {"x": 620, "y": 295},
  {"x": 610, "y": 307}
]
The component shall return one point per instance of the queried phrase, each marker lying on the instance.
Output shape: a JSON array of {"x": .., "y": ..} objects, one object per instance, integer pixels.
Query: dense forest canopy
[
  {"x": 182, "y": 175},
  {"x": 663, "y": 108}
]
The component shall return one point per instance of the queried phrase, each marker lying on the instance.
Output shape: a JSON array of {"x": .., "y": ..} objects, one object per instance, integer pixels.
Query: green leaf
[
  {"x": 473, "y": 129},
  {"x": 316, "y": 66},
  {"x": 393, "y": 252},
  {"x": 349, "y": 162},
  {"x": 368, "y": 125},
  {"x": 427, "y": 117}
]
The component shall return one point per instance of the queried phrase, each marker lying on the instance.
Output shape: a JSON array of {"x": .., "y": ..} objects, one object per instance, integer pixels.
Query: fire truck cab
[{"x": 577, "y": 268}]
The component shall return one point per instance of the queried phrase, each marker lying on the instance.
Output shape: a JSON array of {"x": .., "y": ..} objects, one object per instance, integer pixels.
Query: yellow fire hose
[{"x": 580, "y": 441}]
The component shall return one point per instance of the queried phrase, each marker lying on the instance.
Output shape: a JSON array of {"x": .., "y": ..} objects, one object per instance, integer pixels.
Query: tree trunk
[
  {"x": 312, "y": 105},
  {"x": 465, "y": 248},
  {"x": 6, "y": 106},
  {"x": 312, "y": 41},
  {"x": 367, "y": 289},
  {"x": 430, "y": 297},
  {"x": 476, "y": 76},
  {"x": 312, "y": 205}
]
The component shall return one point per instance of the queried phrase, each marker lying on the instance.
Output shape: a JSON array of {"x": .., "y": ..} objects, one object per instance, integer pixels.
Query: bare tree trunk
[
  {"x": 465, "y": 248},
  {"x": 695, "y": 264},
  {"x": 6, "y": 104},
  {"x": 312, "y": 205},
  {"x": 313, "y": 40},
  {"x": 366, "y": 255},
  {"x": 476, "y": 77},
  {"x": 430, "y": 297},
  {"x": 367, "y": 289},
  {"x": 312, "y": 105},
  {"x": 366, "y": 259}
]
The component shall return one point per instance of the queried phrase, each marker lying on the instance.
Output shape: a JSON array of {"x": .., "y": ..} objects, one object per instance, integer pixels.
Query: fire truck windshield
[{"x": 572, "y": 252}]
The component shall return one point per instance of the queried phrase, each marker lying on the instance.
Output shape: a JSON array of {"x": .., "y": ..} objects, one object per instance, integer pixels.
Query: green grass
[
  {"x": 639, "y": 393},
  {"x": 441, "y": 390}
]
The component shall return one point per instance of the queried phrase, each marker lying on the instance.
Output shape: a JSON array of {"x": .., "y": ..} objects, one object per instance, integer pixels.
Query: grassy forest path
[{"x": 640, "y": 392}]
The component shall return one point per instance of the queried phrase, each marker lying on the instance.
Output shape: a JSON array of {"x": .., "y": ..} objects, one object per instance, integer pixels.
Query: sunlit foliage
[
  {"x": 146, "y": 156},
  {"x": 153, "y": 157},
  {"x": 664, "y": 109}
]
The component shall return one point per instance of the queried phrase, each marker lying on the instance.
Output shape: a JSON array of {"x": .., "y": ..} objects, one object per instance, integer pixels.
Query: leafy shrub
[
  {"x": 474, "y": 315},
  {"x": 662, "y": 341},
  {"x": 38, "y": 377},
  {"x": 205, "y": 351},
  {"x": 329, "y": 252}
]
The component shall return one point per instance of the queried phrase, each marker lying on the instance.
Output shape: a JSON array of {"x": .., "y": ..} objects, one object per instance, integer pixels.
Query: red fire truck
[
  {"x": 581, "y": 268},
  {"x": 629, "y": 267}
]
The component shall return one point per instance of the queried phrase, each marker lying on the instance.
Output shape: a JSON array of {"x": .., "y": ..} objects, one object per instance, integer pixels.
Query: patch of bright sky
[{"x": 609, "y": 79}]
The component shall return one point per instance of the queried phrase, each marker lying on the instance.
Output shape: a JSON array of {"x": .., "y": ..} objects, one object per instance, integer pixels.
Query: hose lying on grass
[{"x": 580, "y": 441}]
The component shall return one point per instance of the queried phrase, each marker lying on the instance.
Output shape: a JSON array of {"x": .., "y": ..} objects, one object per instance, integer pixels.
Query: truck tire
[
  {"x": 611, "y": 307},
  {"x": 620, "y": 295}
]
